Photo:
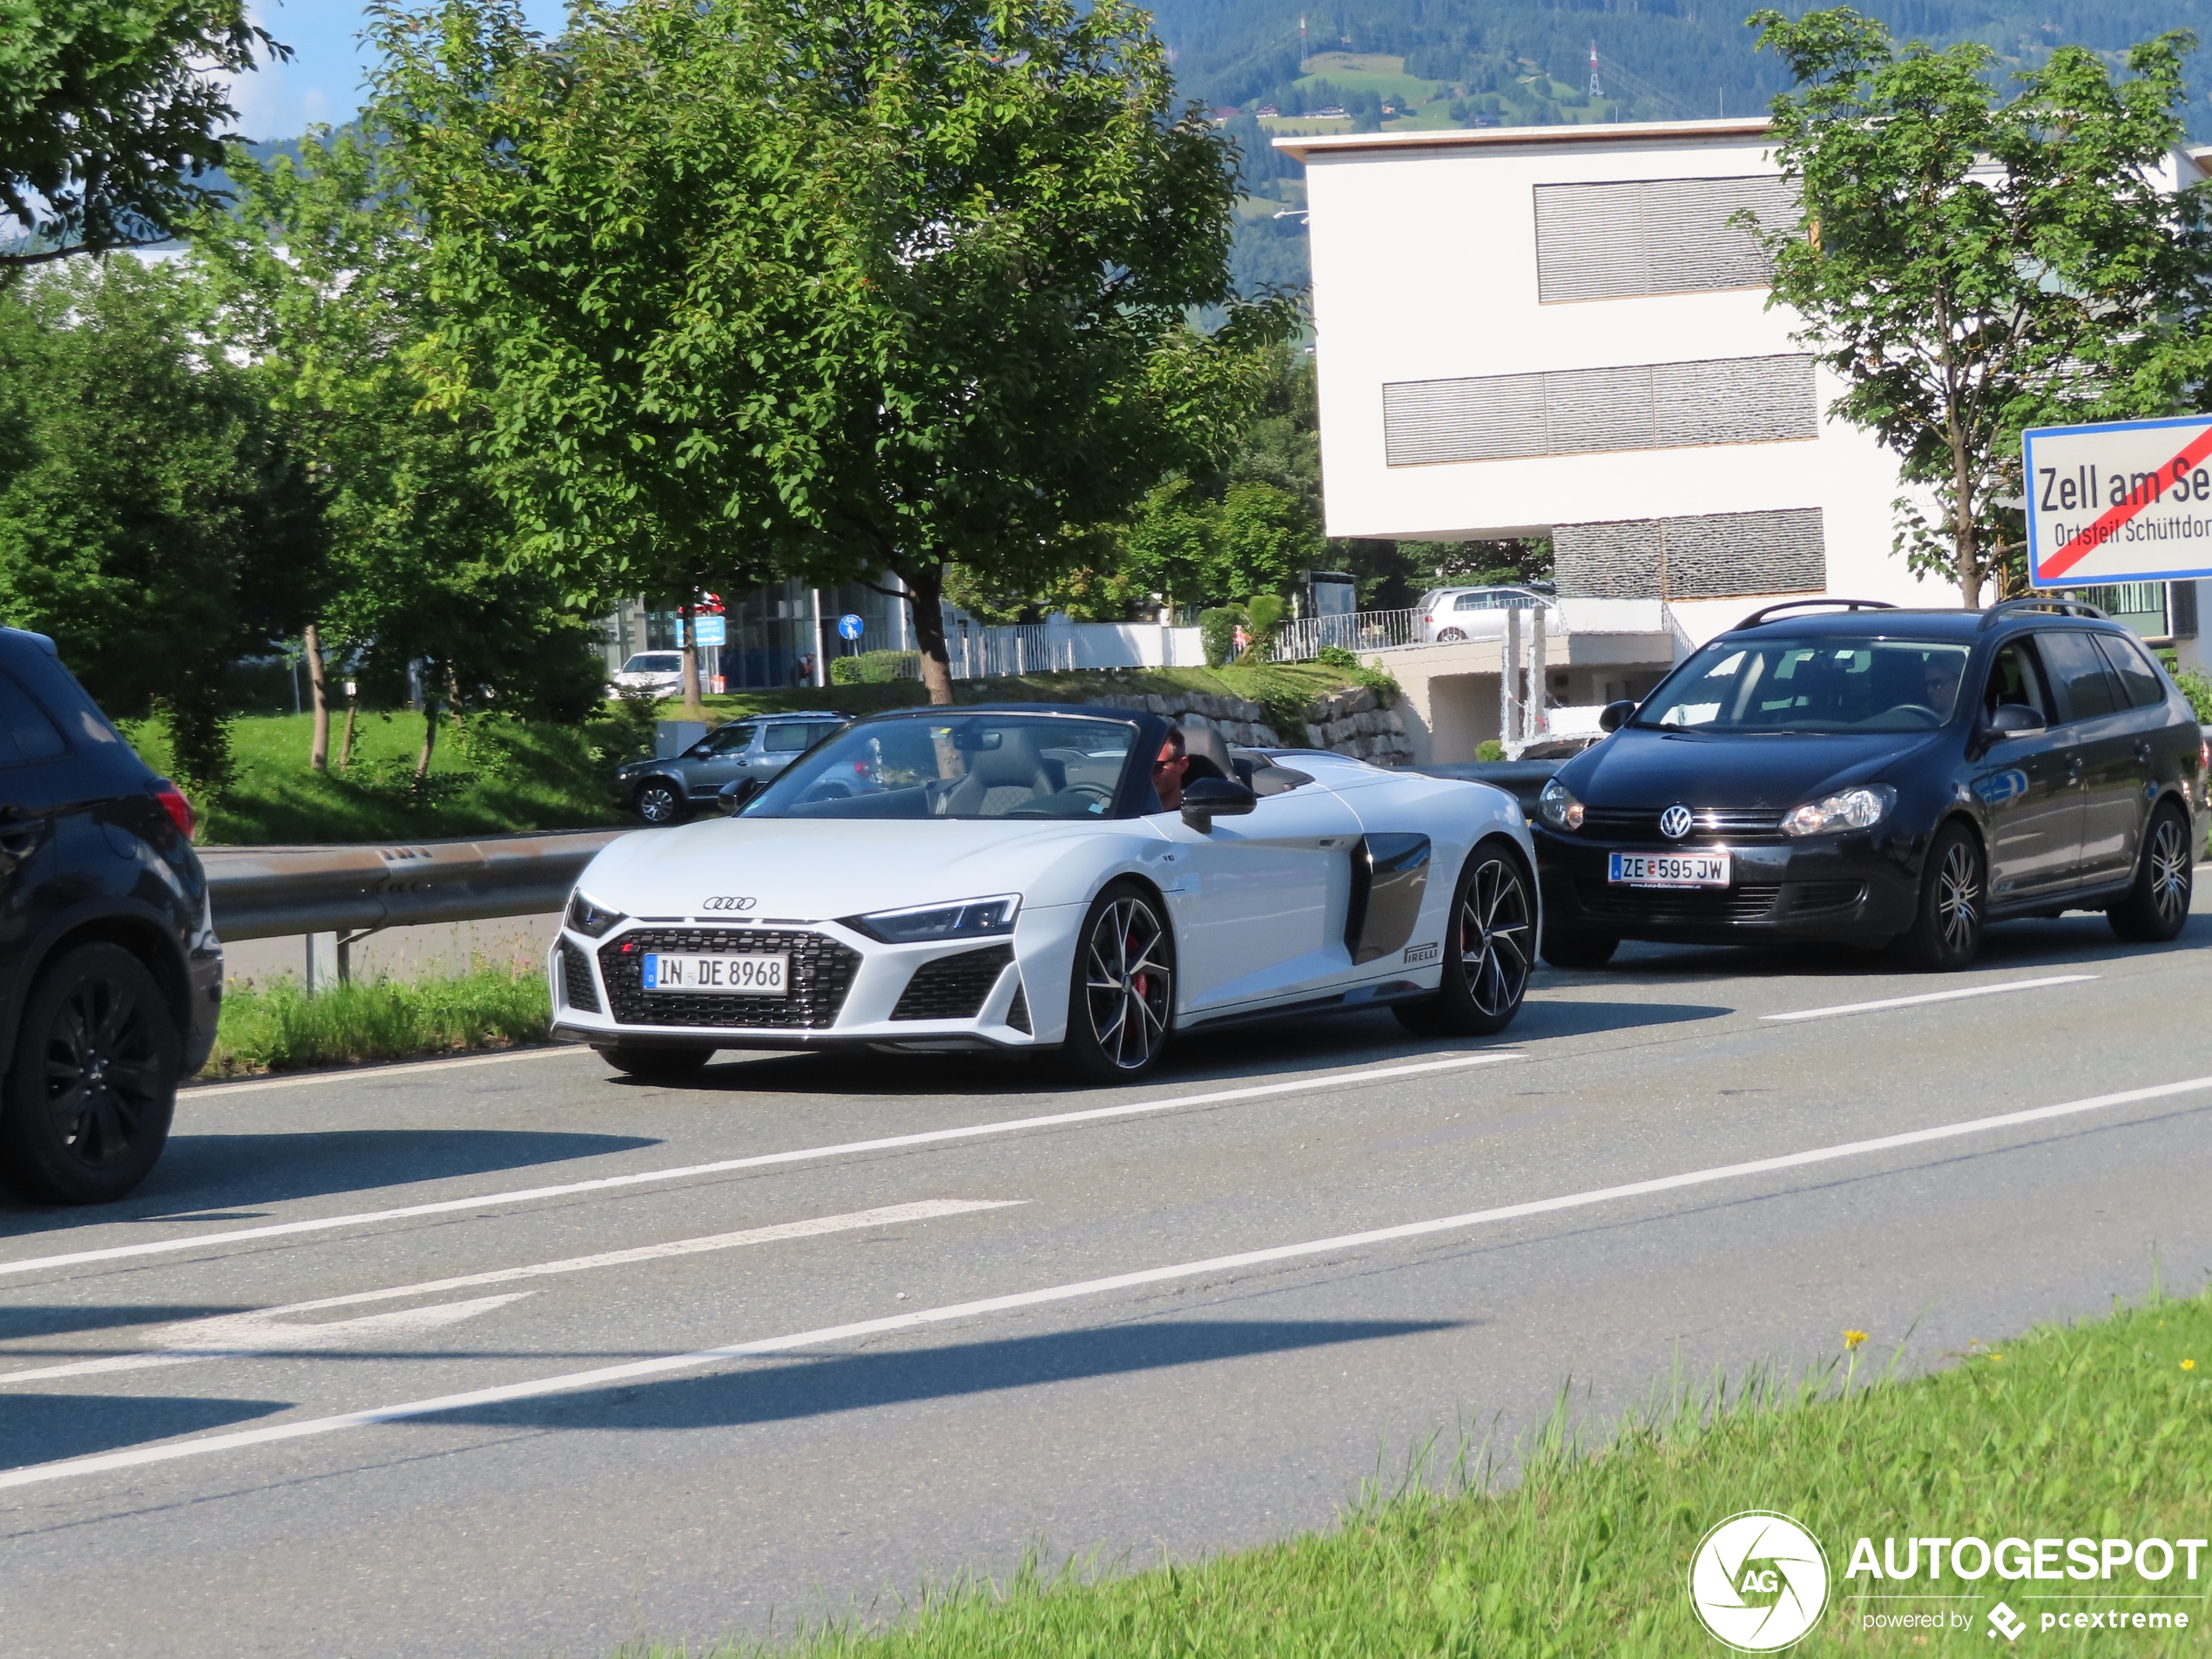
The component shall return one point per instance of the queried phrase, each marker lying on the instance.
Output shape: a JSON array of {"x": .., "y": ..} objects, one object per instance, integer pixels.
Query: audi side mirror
[
  {"x": 734, "y": 794},
  {"x": 1614, "y": 716},
  {"x": 1207, "y": 799},
  {"x": 2015, "y": 720}
]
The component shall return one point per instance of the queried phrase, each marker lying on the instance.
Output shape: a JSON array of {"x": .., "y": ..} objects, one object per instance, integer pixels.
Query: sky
[{"x": 323, "y": 82}]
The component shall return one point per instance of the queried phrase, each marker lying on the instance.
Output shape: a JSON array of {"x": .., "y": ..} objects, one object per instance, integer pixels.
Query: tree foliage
[
  {"x": 154, "y": 517},
  {"x": 111, "y": 112},
  {"x": 1973, "y": 265}
]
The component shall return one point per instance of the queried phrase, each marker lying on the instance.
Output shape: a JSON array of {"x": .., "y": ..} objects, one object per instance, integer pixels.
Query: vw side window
[
  {"x": 2138, "y": 678},
  {"x": 2085, "y": 686},
  {"x": 2015, "y": 677}
]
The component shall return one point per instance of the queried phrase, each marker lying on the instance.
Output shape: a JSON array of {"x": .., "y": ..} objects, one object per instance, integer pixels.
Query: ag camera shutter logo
[{"x": 1759, "y": 1581}]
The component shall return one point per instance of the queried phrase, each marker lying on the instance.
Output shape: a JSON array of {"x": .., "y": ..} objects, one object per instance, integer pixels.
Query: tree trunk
[
  {"x": 924, "y": 585},
  {"x": 1965, "y": 543},
  {"x": 693, "y": 709},
  {"x": 319, "y": 746},
  {"x": 346, "y": 742},
  {"x": 430, "y": 706}
]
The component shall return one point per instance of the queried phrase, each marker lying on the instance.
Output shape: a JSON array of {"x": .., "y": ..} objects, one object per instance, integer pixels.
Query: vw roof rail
[
  {"x": 2050, "y": 602},
  {"x": 1758, "y": 616}
]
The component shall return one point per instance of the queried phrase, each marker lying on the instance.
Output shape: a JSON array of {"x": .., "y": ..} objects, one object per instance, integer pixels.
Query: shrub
[
  {"x": 1217, "y": 633},
  {"x": 1489, "y": 749},
  {"x": 2198, "y": 690},
  {"x": 1335, "y": 657},
  {"x": 873, "y": 667}
]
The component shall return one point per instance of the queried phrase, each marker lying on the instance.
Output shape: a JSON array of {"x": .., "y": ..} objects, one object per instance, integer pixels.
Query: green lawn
[
  {"x": 491, "y": 775},
  {"x": 2099, "y": 1430}
]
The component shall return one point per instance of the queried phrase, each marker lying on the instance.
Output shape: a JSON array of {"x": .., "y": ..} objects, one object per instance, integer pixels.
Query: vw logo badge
[
  {"x": 726, "y": 902},
  {"x": 1675, "y": 822}
]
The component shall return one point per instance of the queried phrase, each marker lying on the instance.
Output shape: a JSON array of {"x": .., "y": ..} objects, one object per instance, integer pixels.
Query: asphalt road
[{"x": 439, "y": 1360}]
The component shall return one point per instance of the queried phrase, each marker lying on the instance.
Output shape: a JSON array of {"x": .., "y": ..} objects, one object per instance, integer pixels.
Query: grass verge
[
  {"x": 279, "y": 1028},
  {"x": 2098, "y": 1429}
]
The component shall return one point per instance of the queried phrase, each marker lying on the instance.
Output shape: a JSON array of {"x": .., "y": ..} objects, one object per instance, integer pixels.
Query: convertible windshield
[
  {"x": 957, "y": 765},
  {"x": 1826, "y": 684}
]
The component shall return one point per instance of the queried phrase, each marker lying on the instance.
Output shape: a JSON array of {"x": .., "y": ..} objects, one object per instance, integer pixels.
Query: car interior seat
[{"x": 1000, "y": 779}]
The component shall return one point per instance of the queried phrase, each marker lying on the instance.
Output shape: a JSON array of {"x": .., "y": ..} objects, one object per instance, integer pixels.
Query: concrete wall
[{"x": 1424, "y": 268}]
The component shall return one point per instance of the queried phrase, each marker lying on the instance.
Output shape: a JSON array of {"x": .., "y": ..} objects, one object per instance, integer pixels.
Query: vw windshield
[{"x": 1810, "y": 685}]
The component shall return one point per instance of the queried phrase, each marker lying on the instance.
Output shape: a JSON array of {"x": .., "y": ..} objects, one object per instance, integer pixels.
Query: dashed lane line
[
  {"x": 667, "y": 1364},
  {"x": 762, "y": 1161},
  {"x": 1934, "y": 997}
]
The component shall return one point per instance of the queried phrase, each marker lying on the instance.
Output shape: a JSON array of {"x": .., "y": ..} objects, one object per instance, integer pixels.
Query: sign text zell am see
[{"x": 2129, "y": 500}]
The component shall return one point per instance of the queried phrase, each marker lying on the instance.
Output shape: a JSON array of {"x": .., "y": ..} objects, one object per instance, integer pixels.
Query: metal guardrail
[{"x": 277, "y": 891}]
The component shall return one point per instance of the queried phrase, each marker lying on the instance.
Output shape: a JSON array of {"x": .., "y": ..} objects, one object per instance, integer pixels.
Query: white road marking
[
  {"x": 349, "y": 1073},
  {"x": 665, "y": 1364},
  {"x": 230, "y": 1336},
  {"x": 689, "y": 1171},
  {"x": 1933, "y": 996}
]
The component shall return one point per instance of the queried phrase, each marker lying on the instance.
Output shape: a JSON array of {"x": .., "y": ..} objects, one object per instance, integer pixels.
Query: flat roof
[{"x": 1595, "y": 133}]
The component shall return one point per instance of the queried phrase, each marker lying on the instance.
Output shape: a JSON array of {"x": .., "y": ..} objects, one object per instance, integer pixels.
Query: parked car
[
  {"x": 658, "y": 672},
  {"x": 663, "y": 790},
  {"x": 110, "y": 973},
  {"x": 1005, "y": 878},
  {"x": 1446, "y": 616},
  {"x": 1874, "y": 774}
]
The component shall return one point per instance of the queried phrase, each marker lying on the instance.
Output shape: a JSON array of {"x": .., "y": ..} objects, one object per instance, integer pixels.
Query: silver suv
[{"x": 663, "y": 790}]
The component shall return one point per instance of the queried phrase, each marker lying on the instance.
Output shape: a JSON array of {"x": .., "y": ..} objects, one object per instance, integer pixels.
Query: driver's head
[
  {"x": 1939, "y": 680},
  {"x": 1167, "y": 769}
]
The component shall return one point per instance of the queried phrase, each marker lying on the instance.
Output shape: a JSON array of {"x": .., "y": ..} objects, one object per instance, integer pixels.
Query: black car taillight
[{"x": 173, "y": 802}]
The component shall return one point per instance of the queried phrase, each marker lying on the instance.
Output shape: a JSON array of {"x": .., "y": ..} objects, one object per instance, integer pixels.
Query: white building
[{"x": 1556, "y": 331}]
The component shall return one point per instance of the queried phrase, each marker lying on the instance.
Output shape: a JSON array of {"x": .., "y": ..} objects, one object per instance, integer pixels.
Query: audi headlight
[
  {"x": 925, "y": 924},
  {"x": 1558, "y": 807},
  {"x": 1850, "y": 809},
  {"x": 587, "y": 917}
]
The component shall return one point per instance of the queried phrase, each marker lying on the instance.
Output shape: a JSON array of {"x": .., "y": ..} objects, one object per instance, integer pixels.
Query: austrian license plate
[
  {"x": 1667, "y": 869},
  {"x": 754, "y": 973}
]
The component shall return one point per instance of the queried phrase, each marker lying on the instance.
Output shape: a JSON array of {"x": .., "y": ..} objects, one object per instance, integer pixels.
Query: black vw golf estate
[{"x": 1875, "y": 774}]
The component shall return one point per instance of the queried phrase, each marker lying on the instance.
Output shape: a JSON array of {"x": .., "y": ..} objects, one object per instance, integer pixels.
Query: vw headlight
[
  {"x": 925, "y": 924},
  {"x": 1558, "y": 807},
  {"x": 1849, "y": 809},
  {"x": 586, "y": 917}
]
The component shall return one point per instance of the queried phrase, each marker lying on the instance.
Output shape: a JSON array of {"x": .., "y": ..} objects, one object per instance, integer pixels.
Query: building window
[
  {"x": 1579, "y": 411},
  {"x": 1713, "y": 555},
  {"x": 1654, "y": 236}
]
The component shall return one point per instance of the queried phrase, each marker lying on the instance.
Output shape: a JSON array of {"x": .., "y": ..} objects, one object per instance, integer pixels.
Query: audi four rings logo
[
  {"x": 1675, "y": 822},
  {"x": 727, "y": 902}
]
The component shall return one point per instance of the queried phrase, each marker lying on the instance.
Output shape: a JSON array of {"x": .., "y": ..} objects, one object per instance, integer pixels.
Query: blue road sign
[
  {"x": 849, "y": 626},
  {"x": 710, "y": 631}
]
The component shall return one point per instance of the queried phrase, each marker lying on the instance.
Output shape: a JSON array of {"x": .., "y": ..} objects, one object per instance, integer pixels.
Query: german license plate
[
  {"x": 754, "y": 974},
  {"x": 1667, "y": 869}
]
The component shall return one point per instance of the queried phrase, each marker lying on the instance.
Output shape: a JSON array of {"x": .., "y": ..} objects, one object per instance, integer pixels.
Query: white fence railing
[
  {"x": 979, "y": 651},
  {"x": 1303, "y": 640}
]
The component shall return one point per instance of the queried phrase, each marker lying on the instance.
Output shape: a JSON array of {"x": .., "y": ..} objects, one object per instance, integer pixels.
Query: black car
[
  {"x": 1876, "y": 775},
  {"x": 110, "y": 974},
  {"x": 664, "y": 789}
]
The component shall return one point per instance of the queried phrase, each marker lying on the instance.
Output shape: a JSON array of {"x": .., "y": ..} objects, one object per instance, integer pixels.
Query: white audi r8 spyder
[{"x": 1005, "y": 877}]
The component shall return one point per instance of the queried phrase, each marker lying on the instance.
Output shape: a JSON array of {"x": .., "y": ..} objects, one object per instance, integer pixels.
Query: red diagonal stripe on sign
[{"x": 2101, "y": 532}]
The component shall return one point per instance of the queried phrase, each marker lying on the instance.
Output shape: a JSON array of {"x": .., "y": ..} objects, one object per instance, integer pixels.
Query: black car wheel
[
  {"x": 1121, "y": 998},
  {"x": 655, "y": 1064},
  {"x": 94, "y": 1082},
  {"x": 1565, "y": 949},
  {"x": 1451, "y": 637},
  {"x": 1954, "y": 887},
  {"x": 2158, "y": 905},
  {"x": 1489, "y": 945},
  {"x": 659, "y": 802}
]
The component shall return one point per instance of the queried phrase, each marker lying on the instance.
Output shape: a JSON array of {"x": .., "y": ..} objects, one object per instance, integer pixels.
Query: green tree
[
  {"x": 111, "y": 111},
  {"x": 640, "y": 259},
  {"x": 321, "y": 276},
  {"x": 1971, "y": 265},
  {"x": 154, "y": 516}
]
